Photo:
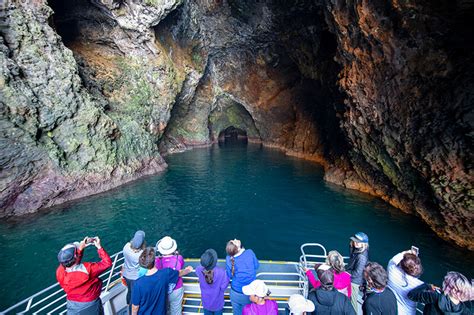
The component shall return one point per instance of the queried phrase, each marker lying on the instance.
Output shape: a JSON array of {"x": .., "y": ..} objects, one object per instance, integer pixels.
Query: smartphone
[
  {"x": 415, "y": 250},
  {"x": 90, "y": 240}
]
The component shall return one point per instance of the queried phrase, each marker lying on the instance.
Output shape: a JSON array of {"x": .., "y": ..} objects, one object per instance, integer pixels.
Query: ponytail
[
  {"x": 232, "y": 249},
  {"x": 209, "y": 276},
  {"x": 232, "y": 260}
]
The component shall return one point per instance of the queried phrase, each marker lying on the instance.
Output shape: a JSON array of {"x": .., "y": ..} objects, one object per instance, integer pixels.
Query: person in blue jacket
[{"x": 241, "y": 267}]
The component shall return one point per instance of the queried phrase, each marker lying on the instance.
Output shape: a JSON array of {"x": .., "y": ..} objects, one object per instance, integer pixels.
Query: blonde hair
[
  {"x": 359, "y": 246},
  {"x": 457, "y": 286},
  {"x": 336, "y": 261}
]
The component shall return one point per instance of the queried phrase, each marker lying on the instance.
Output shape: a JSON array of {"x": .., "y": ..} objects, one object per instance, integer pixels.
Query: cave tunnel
[
  {"x": 79, "y": 22},
  {"x": 234, "y": 136},
  {"x": 63, "y": 22}
]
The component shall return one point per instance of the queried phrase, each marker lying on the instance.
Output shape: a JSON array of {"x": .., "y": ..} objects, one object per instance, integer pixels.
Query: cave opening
[
  {"x": 233, "y": 135},
  {"x": 81, "y": 24},
  {"x": 63, "y": 22}
]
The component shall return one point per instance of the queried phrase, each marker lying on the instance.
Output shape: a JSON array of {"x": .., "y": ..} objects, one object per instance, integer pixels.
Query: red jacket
[{"x": 81, "y": 282}]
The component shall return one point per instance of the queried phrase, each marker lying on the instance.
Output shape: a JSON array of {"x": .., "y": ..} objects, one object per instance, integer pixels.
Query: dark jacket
[
  {"x": 380, "y": 303},
  {"x": 356, "y": 265},
  {"x": 436, "y": 302},
  {"x": 330, "y": 302}
]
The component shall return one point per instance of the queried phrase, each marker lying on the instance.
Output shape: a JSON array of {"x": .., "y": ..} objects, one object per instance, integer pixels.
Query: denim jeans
[
  {"x": 130, "y": 284},
  {"x": 238, "y": 300},
  {"x": 175, "y": 299},
  {"x": 206, "y": 312},
  {"x": 85, "y": 308}
]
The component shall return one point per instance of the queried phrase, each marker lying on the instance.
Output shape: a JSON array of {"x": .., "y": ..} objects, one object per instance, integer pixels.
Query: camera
[{"x": 90, "y": 240}]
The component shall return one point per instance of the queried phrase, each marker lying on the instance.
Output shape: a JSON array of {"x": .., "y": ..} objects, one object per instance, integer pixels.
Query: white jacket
[{"x": 400, "y": 283}]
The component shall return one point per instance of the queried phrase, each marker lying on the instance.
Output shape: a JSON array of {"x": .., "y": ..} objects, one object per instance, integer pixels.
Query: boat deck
[{"x": 282, "y": 277}]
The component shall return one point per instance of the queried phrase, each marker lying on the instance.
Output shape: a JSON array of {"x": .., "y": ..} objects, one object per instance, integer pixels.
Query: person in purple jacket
[
  {"x": 213, "y": 281},
  {"x": 241, "y": 266},
  {"x": 259, "y": 295}
]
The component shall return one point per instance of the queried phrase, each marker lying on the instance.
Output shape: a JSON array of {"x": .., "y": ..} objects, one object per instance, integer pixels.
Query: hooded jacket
[
  {"x": 380, "y": 303},
  {"x": 330, "y": 302},
  {"x": 436, "y": 302},
  {"x": 81, "y": 282},
  {"x": 356, "y": 265}
]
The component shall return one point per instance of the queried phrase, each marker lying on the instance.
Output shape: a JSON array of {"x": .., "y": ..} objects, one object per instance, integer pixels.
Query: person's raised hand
[
  {"x": 97, "y": 242},
  {"x": 82, "y": 244}
]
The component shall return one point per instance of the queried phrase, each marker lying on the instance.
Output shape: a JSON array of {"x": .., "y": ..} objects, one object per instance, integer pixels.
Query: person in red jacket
[{"x": 80, "y": 280}]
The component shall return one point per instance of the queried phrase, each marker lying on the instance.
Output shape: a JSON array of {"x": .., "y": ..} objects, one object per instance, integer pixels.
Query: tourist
[
  {"x": 403, "y": 272},
  {"x": 241, "y": 267},
  {"x": 213, "y": 282},
  {"x": 342, "y": 279},
  {"x": 457, "y": 289},
  {"x": 326, "y": 299},
  {"x": 298, "y": 305},
  {"x": 79, "y": 280},
  {"x": 359, "y": 256},
  {"x": 151, "y": 290},
  {"x": 131, "y": 253},
  {"x": 380, "y": 299},
  {"x": 170, "y": 258},
  {"x": 258, "y": 294}
]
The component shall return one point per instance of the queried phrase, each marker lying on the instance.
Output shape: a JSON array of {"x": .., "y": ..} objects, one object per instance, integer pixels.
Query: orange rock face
[{"x": 409, "y": 88}]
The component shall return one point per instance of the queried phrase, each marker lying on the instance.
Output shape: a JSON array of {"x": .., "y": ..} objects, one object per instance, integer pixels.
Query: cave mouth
[
  {"x": 64, "y": 22},
  {"x": 233, "y": 135}
]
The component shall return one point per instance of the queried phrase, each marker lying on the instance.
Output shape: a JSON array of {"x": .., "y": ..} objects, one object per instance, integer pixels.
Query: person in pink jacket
[{"x": 342, "y": 279}]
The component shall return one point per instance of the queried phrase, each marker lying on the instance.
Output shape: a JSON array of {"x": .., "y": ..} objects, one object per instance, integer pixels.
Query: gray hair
[{"x": 458, "y": 286}]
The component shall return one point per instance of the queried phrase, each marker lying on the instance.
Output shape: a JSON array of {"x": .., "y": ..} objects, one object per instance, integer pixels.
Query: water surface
[{"x": 272, "y": 202}]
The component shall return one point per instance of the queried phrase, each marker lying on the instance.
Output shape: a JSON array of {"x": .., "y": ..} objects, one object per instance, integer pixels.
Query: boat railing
[
  {"x": 282, "y": 284},
  {"x": 52, "y": 300},
  {"x": 311, "y": 254},
  {"x": 307, "y": 260}
]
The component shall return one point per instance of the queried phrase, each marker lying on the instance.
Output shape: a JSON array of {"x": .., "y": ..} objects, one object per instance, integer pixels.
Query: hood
[
  {"x": 326, "y": 298},
  {"x": 448, "y": 307}
]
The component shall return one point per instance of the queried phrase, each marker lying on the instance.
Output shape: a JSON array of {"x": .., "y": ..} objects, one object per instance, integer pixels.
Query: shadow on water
[{"x": 272, "y": 202}]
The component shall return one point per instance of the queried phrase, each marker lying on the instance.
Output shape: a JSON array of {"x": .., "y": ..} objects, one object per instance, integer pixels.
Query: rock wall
[
  {"x": 248, "y": 59},
  {"x": 407, "y": 73},
  {"x": 379, "y": 92},
  {"x": 61, "y": 137}
]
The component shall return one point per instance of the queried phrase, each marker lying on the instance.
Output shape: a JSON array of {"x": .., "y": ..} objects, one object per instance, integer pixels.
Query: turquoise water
[{"x": 272, "y": 202}]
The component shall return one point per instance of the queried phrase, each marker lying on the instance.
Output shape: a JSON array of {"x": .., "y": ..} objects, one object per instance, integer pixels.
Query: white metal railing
[
  {"x": 321, "y": 258},
  {"x": 281, "y": 284},
  {"x": 52, "y": 300}
]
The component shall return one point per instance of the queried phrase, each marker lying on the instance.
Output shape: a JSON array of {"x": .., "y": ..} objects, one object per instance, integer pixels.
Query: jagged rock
[
  {"x": 57, "y": 142},
  {"x": 407, "y": 86},
  {"x": 380, "y": 93}
]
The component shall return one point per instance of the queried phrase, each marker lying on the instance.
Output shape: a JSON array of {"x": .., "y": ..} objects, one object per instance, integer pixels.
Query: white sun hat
[
  {"x": 298, "y": 304},
  {"x": 166, "y": 245},
  {"x": 257, "y": 287}
]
